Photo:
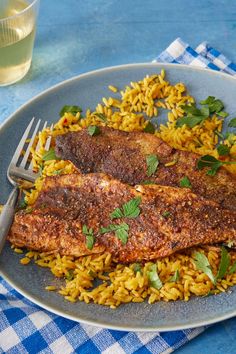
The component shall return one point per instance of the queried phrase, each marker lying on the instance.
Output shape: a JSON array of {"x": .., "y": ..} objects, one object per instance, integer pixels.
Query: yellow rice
[{"x": 120, "y": 283}]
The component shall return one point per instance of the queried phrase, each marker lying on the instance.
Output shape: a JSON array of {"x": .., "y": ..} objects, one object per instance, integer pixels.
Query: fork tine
[
  {"x": 48, "y": 142},
  {"x": 25, "y": 158},
  {"x": 37, "y": 147},
  {"x": 21, "y": 143}
]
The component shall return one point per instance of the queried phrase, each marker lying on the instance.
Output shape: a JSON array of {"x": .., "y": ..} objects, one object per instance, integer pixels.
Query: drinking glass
[{"x": 17, "y": 33}]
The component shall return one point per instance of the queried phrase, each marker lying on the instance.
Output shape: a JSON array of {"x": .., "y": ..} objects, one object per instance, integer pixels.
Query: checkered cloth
[{"x": 26, "y": 328}]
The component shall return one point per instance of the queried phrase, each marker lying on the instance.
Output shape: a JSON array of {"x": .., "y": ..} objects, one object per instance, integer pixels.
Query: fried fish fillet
[
  {"x": 123, "y": 156},
  {"x": 171, "y": 219}
]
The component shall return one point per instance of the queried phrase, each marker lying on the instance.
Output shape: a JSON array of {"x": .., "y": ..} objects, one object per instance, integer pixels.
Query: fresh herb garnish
[
  {"x": 166, "y": 214},
  {"x": 224, "y": 263},
  {"x": 215, "y": 105},
  {"x": 90, "y": 238},
  {"x": 121, "y": 231},
  {"x": 213, "y": 163},
  {"x": 58, "y": 172},
  {"x": 232, "y": 268},
  {"x": 194, "y": 116},
  {"x": 50, "y": 155},
  {"x": 154, "y": 280},
  {"x": 93, "y": 130},
  {"x": 175, "y": 277},
  {"x": 152, "y": 163},
  {"x": 70, "y": 109},
  {"x": 137, "y": 268},
  {"x": 22, "y": 205},
  {"x": 28, "y": 210},
  {"x": 70, "y": 274},
  {"x": 232, "y": 123},
  {"x": 185, "y": 182},
  {"x": 150, "y": 128},
  {"x": 101, "y": 116},
  {"x": 129, "y": 209},
  {"x": 202, "y": 263},
  {"x": 223, "y": 114},
  {"x": 223, "y": 150}
]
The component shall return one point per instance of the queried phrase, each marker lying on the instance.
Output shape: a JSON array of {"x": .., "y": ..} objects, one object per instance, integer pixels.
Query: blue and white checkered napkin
[{"x": 26, "y": 328}]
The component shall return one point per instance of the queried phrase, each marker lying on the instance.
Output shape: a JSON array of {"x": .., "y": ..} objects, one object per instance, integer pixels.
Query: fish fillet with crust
[
  {"x": 123, "y": 156},
  {"x": 171, "y": 219}
]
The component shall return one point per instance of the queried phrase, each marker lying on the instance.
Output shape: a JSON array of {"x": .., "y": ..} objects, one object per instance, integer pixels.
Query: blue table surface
[{"x": 75, "y": 36}]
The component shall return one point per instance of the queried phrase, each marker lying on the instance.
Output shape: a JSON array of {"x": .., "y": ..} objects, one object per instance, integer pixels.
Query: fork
[{"x": 19, "y": 170}]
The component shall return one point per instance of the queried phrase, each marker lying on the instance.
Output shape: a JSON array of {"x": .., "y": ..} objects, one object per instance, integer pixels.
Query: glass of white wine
[{"x": 17, "y": 33}]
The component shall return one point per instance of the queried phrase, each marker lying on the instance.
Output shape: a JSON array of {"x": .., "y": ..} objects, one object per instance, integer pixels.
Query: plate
[{"x": 87, "y": 90}]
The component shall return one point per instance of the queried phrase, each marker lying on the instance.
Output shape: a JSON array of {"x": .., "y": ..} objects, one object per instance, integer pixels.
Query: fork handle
[{"x": 7, "y": 215}]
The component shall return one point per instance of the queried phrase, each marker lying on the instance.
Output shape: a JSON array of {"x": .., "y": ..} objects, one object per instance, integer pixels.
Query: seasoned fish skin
[
  {"x": 123, "y": 155},
  {"x": 68, "y": 202}
]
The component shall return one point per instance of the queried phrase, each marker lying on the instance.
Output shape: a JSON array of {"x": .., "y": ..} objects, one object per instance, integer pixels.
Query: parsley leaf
[
  {"x": 185, "y": 182},
  {"x": 189, "y": 121},
  {"x": 50, "y": 155},
  {"x": 70, "y": 109},
  {"x": 121, "y": 231},
  {"x": 232, "y": 123},
  {"x": 137, "y": 268},
  {"x": 93, "y": 130},
  {"x": 70, "y": 274},
  {"x": 150, "y": 128},
  {"x": 224, "y": 263},
  {"x": 152, "y": 163},
  {"x": 194, "y": 116},
  {"x": 175, "y": 277},
  {"x": 232, "y": 268},
  {"x": 154, "y": 280},
  {"x": 101, "y": 116},
  {"x": 90, "y": 238},
  {"x": 166, "y": 214},
  {"x": 208, "y": 100},
  {"x": 213, "y": 163},
  {"x": 201, "y": 262},
  {"x": 129, "y": 209},
  {"x": 223, "y": 114},
  {"x": 223, "y": 150}
]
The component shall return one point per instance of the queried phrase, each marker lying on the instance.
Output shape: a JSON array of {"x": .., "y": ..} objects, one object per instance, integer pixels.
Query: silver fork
[{"x": 19, "y": 170}]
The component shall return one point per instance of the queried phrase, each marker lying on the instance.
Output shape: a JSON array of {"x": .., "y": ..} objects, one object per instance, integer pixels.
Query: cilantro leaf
[
  {"x": 223, "y": 114},
  {"x": 93, "y": 130},
  {"x": 129, "y": 209},
  {"x": 201, "y": 262},
  {"x": 70, "y": 109},
  {"x": 152, "y": 163},
  {"x": 121, "y": 231},
  {"x": 213, "y": 163},
  {"x": 150, "y": 128},
  {"x": 185, "y": 182},
  {"x": 216, "y": 106},
  {"x": 101, "y": 116},
  {"x": 70, "y": 274},
  {"x": 166, "y": 214},
  {"x": 224, "y": 263},
  {"x": 189, "y": 121},
  {"x": 208, "y": 100},
  {"x": 154, "y": 280},
  {"x": 209, "y": 161},
  {"x": 90, "y": 238},
  {"x": 232, "y": 268},
  {"x": 175, "y": 277},
  {"x": 232, "y": 123},
  {"x": 50, "y": 155},
  {"x": 137, "y": 268},
  {"x": 223, "y": 150}
]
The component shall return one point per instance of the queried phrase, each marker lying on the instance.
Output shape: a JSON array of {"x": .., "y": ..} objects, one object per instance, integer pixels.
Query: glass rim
[{"x": 21, "y": 12}]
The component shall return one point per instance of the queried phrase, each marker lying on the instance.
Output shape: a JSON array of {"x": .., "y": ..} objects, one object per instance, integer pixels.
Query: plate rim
[{"x": 103, "y": 324}]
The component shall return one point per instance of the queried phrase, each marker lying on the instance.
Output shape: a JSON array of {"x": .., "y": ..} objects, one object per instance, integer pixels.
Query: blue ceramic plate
[{"x": 87, "y": 90}]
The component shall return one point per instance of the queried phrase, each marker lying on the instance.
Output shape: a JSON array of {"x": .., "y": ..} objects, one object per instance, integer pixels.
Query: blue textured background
[{"x": 75, "y": 36}]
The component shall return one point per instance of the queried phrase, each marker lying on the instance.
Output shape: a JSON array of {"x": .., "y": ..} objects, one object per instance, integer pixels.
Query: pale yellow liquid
[{"x": 16, "y": 44}]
